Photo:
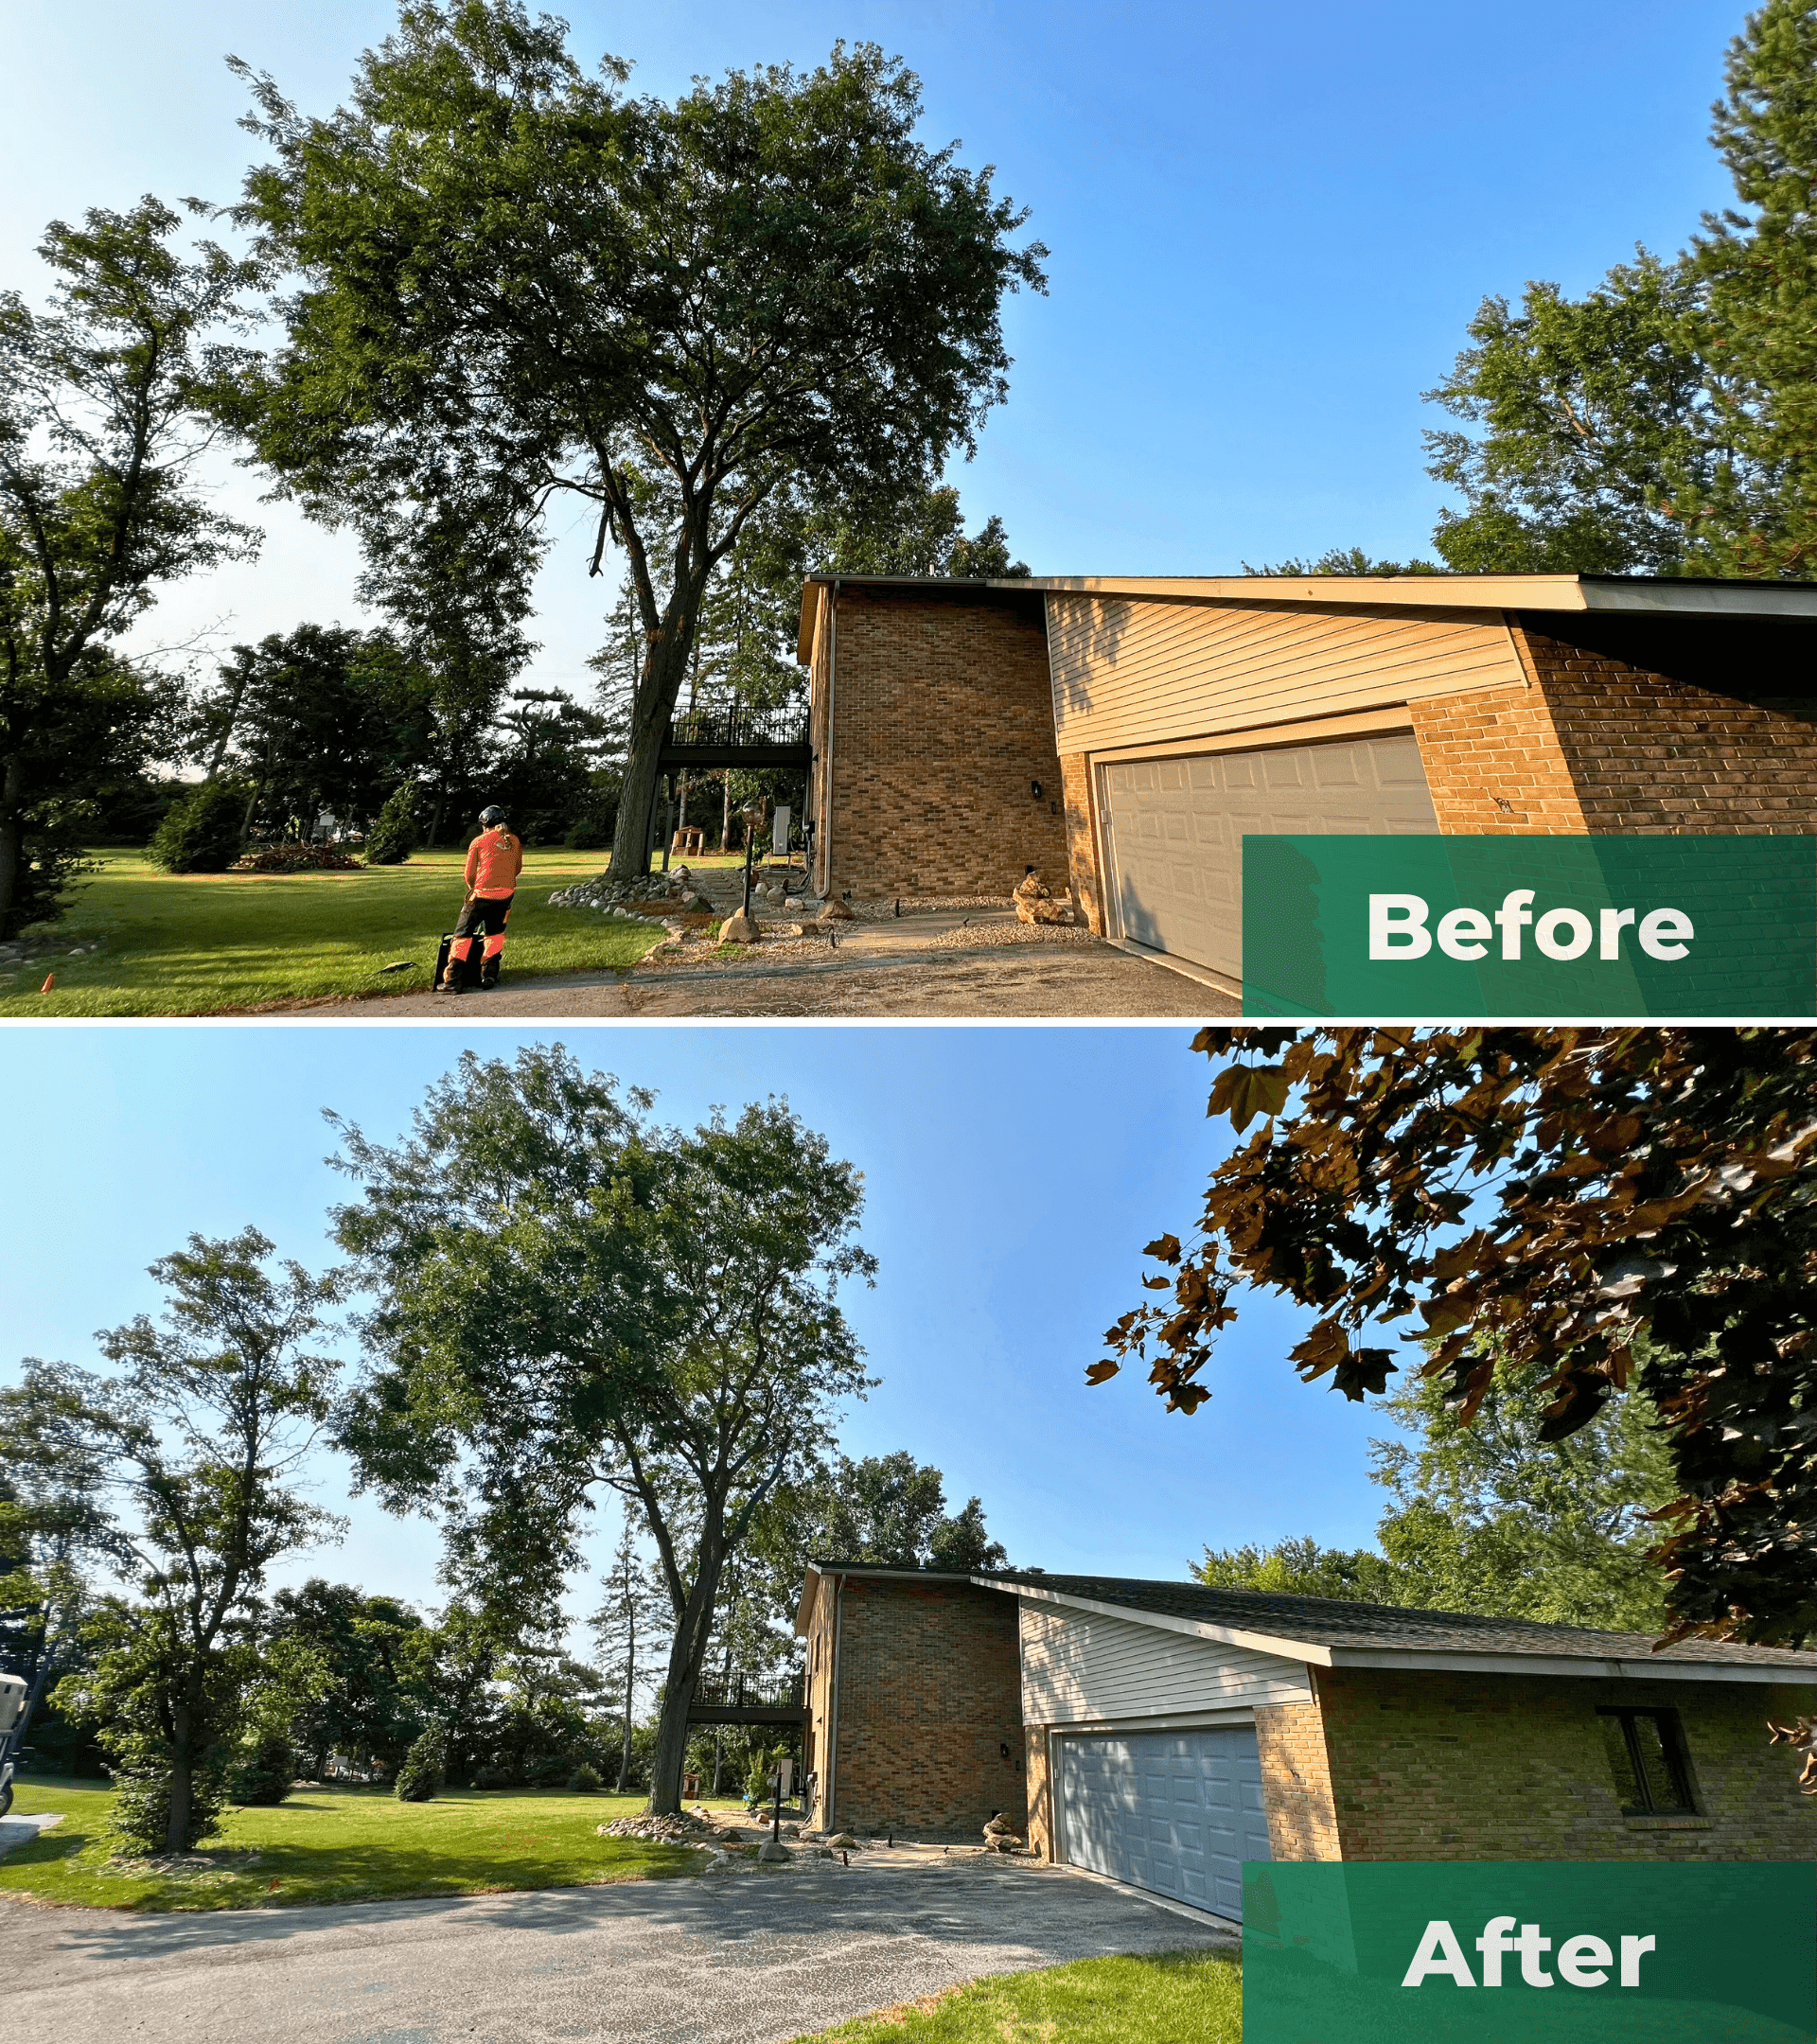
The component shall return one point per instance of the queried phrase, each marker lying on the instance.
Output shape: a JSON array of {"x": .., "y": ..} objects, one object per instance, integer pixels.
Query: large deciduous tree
[
  {"x": 508, "y": 266},
  {"x": 1487, "y": 1517},
  {"x": 187, "y": 1443},
  {"x": 1664, "y": 422},
  {"x": 570, "y": 1298},
  {"x": 101, "y": 421},
  {"x": 1582, "y": 1209}
]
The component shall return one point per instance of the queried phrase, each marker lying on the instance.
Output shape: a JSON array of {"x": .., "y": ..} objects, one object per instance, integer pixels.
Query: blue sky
[
  {"x": 1013, "y": 1176},
  {"x": 1268, "y": 226}
]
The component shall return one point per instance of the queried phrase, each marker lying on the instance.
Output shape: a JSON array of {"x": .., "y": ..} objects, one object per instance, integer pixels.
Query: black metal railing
[
  {"x": 715, "y": 1692},
  {"x": 729, "y": 725}
]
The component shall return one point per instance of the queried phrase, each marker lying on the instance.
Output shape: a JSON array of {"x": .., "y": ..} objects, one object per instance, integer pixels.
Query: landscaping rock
[
  {"x": 739, "y": 929},
  {"x": 686, "y": 1829},
  {"x": 1033, "y": 902},
  {"x": 836, "y": 911},
  {"x": 999, "y": 1837},
  {"x": 772, "y": 1851}
]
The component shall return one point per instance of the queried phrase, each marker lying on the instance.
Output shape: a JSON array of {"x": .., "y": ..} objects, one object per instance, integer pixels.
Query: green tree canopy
[
  {"x": 1664, "y": 422},
  {"x": 188, "y": 1446},
  {"x": 570, "y": 1298},
  {"x": 1585, "y": 1208},
  {"x": 101, "y": 423},
  {"x": 510, "y": 267}
]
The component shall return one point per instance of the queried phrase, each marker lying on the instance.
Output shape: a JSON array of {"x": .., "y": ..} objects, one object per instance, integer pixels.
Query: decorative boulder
[
  {"x": 1034, "y": 903},
  {"x": 998, "y": 1837},
  {"x": 739, "y": 929},
  {"x": 836, "y": 911}
]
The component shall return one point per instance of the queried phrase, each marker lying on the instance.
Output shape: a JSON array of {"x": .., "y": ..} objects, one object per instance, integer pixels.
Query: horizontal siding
[
  {"x": 1133, "y": 672},
  {"x": 1082, "y": 1668}
]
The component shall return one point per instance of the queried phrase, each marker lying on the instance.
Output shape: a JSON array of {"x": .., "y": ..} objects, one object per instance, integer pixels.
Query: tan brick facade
[
  {"x": 1495, "y": 764},
  {"x": 1377, "y": 1764},
  {"x": 1436, "y": 1766},
  {"x": 1651, "y": 755},
  {"x": 941, "y": 722},
  {"x": 942, "y": 718},
  {"x": 1297, "y": 1782},
  {"x": 1040, "y": 1792},
  {"x": 1593, "y": 744},
  {"x": 927, "y": 1715},
  {"x": 1082, "y": 837}
]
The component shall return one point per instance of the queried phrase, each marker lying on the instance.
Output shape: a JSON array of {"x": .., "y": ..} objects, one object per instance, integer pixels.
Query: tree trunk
[
  {"x": 650, "y": 715},
  {"x": 694, "y": 1627},
  {"x": 11, "y": 834},
  {"x": 176, "y": 1830},
  {"x": 724, "y": 819}
]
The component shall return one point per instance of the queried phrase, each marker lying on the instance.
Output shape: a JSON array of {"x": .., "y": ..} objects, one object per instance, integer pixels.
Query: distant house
[
  {"x": 1161, "y": 1733},
  {"x": 1122, "y": 733}
]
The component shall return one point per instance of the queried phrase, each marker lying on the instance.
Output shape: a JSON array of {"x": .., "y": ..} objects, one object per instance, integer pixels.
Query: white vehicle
[{"x": 13, "y": 1718}]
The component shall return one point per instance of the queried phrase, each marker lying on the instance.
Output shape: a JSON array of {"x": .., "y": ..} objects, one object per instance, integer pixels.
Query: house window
[{"x": 1648, "y": 1758}]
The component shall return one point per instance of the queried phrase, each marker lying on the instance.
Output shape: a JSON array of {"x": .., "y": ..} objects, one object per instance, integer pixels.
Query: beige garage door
[{"x": 1175, "y": 829}]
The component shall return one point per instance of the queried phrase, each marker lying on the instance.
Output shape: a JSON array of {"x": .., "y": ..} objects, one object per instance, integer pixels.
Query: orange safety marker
[{"x": 50, "y": 981}]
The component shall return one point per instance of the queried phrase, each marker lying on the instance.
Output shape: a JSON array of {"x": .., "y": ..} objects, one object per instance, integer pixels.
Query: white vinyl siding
[
  {"x": 1082, "y": 1667},
  {"x": 1132, "y": 672}
]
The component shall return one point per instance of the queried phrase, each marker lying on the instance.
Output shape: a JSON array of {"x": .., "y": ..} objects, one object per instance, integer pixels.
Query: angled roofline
[
  {"x": 1495, "y": 1661},
  {"x": 817, "y": 1571},
  {"x": 1637, "y": 596}
]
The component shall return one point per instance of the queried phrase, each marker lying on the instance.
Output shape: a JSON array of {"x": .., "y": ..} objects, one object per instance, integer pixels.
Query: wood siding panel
[
  {"x": 1082, "y": 1668},
  {"x": 1133, "y": 672}
]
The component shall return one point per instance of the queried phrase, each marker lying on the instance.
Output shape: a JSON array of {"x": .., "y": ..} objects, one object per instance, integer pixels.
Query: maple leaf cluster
[{"x": 1599, "y": 1205}]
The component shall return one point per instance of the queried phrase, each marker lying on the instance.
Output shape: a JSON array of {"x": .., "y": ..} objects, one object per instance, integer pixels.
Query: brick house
[
  {"x": 1162, "y": 1733},
  {"x": 1123, "y": 732}
]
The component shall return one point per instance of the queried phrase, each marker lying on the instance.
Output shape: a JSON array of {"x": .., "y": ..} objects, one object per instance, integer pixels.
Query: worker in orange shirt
[{"x": 494, "y": 860}]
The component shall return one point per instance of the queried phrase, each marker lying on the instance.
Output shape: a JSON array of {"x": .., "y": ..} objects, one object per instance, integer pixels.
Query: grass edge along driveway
[
  {"x": 1156, "y": 1997},
  {"x": 213, "y": 943},
  {"x": 335, "y": 1845}
]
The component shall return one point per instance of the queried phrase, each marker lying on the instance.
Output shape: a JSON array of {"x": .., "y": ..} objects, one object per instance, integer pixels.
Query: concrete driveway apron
[{"x": 750, "y": 1958}]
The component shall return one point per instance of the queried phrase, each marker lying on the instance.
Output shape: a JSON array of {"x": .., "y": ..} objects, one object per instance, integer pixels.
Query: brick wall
[
  {"x": 1040, "y": 1792},
  {"x": 1651, "y": 755},
  {"x": 1082, "y": 837},
  {"x": 942, "y": 719},
  {"x": 1431, "y": 1766},
  {"x": 1495, "y": 764},
  {"x": 1597, "y": 744},
  {"x": 1296, "y": 1781},
  {"x": 930, "y": 1693}
]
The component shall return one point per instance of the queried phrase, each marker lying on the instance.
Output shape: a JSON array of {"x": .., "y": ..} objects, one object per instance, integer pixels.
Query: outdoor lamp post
[{"x": 753, "y": 816}]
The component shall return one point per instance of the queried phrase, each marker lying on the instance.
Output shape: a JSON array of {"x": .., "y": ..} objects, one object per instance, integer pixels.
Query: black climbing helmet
[{"x": 492, "y": 818}]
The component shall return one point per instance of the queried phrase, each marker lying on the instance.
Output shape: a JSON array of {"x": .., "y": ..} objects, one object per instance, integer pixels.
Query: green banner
[
  {"x": 1511, "y": 1952},
  {"x": 1435, "y": 928}
]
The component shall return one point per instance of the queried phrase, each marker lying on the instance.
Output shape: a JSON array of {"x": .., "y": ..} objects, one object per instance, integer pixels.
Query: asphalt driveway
[{"x": 745, "y": 1958}]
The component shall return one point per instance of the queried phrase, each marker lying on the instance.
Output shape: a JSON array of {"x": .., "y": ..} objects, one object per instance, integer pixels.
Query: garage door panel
[
  {"x": 1173, "y": 1812},
  {"x": 1175, "y": 829}
]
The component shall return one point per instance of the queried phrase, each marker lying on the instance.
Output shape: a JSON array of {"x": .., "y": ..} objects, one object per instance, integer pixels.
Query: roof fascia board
[
  {"x": 1282, "y": 1649},
  {"x": 1555, "y": 594},
  {"x": 1456, "y": 1662},
  {"x": 1486, "y": 1664}
]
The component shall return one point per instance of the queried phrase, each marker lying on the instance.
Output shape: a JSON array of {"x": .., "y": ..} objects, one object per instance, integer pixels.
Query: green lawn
[
  {"x": 198, "y": 943},
  {"x": 1169, "y": 1997},
  {"x": 337, "y": 1846}
]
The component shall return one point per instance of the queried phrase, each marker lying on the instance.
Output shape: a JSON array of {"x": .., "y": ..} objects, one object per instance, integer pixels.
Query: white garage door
[
  {"x": 1176, "y": 827},
  {"x": 1175, "y": 1811}
]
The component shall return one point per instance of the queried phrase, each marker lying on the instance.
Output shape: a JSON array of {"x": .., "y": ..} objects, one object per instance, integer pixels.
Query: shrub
[
  {"x": 298, "y": 858},
  {"x": 140, "y": 1813},
  {"x": 496, "y": 1777},
  {"x": 203, "y": 832},
  {"x": 396, "y": 834},
  {"x": 586, "y": 1779},
  {"x": 421, "y": 1775},
  {"x": 263, "y": 1771}
]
